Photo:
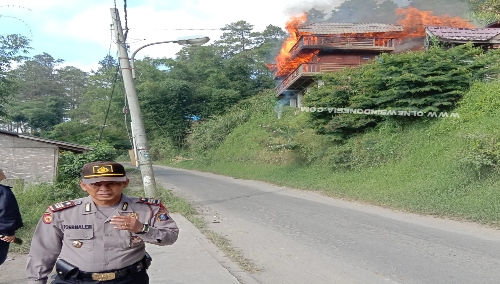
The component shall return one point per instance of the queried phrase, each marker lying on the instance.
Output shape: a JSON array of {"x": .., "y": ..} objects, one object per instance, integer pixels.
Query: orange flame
[
  {"x": 414, "y": 22},
  {"x": 284, "y": 62}
]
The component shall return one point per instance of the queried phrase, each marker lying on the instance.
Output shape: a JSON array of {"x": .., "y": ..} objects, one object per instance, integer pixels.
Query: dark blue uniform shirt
[{"x": 10, "y": 217}]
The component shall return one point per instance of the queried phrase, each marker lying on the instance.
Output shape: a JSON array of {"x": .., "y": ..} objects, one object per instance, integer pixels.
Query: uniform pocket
[{"x": 80, "y": 239}]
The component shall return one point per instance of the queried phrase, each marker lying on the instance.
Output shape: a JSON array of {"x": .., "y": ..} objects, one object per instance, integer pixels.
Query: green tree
[
  {"x": 101, "y": 109},
  {"x": 236, "y": 37},
  {"x": 166, "y": 108},
  {"x": 38, "y": 77},
  {"x": 314, "y": 15},
  {"x": 74, "y": 82},
  {"x": 485, "y": 12},
  {"x": 12, "y": 49}
]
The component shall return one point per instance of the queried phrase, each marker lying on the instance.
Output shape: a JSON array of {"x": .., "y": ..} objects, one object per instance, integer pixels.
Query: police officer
[
  {"x": 100, "y": 238},
  {"x": 10, "y": 218}
]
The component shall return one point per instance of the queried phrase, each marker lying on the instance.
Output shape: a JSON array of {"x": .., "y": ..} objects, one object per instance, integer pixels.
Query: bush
[
  {"x": 430, "y": 81},
  {"x": 163, "y": 148},
  {"x": 209, "y": 135},
  {"x": 70, "y": 165}
]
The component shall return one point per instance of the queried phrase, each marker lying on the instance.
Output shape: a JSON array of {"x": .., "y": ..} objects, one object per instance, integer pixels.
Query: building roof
[
  {"x": 62, "y": 145},
  {"x": 463, "y": 34},
  {"x": 348, "y": 28}
]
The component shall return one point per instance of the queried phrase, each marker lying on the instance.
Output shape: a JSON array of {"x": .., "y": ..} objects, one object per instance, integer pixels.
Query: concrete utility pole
[{"x": 145, "y": 164}]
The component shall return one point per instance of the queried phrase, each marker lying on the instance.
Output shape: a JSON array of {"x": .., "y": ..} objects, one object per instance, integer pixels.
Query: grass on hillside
[{"x": 439, "y": 166}]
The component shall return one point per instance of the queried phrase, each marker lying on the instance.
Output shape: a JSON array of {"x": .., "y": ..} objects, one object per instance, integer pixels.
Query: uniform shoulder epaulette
[
  {"x": 61, "y": 206},
  {"x": 150, "y": 201}
]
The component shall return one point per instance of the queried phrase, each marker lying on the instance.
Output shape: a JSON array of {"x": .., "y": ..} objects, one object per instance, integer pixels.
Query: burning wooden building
[
  {"x": 316, "y": 48},
  {"x": 327, "y": 47}
]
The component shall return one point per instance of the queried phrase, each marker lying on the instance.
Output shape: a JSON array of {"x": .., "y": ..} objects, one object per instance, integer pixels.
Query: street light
[
  {"x": 191, "y": 41},
  {"x": 141, "y": 144}
]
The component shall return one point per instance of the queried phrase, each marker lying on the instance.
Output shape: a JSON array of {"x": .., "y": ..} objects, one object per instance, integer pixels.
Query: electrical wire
[
  {"x": 126, "y": 25},
  {"x": 149, "y": 29},
  {"x": 110, "y": 99},
  {"x": 16, "y": 18},
  {"x": 130, "y": 138}
]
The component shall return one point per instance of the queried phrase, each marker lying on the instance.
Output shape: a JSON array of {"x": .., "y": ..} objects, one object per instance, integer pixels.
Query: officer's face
[{"x": 105, "y": 193}]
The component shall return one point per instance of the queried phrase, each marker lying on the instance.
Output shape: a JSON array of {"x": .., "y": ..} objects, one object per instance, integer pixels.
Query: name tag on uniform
[{"x": 77, "y": 227}]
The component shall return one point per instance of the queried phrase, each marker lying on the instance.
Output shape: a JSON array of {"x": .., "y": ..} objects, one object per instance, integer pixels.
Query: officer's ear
[
  {"x": 126, "y": 183},
  {"x": 82, "y": 185}
]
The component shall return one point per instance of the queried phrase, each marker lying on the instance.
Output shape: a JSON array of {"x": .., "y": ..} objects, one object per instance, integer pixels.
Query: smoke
[
  {"x": 373, "y": 11},
  {"x": 402, "y": 3},
  {"x": 409, "y": 44},
  {"x": 322, "y": 5},
  {"x": 282, "y": 102}
]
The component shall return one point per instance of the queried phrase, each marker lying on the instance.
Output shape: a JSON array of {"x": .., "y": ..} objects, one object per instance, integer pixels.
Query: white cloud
[
  {"x": 92, "y": 24},
  {"x": 63, "y": 26}
]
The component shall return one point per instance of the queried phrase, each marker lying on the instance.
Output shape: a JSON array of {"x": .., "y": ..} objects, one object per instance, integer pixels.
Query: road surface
[{"x": 296, "y": 236}]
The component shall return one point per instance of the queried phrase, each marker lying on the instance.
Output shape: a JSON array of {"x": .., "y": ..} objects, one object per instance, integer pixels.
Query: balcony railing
[
  {"x": 338, "y": 42},
  {"x": 309, "y": 70}
]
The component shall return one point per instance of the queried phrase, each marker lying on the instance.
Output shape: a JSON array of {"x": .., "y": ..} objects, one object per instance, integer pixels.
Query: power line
[
  {"x": 126, "y": 26},
  {"x": 178, "y": 29},
  {"x": 110, "y": 99}
]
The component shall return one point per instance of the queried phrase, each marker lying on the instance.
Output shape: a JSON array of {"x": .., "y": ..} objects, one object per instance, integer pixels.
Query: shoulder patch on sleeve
[
  {"x": 61, "y": 206},
  {"x": 150, "y": 201},
  {"x": 47, "y": 218}
]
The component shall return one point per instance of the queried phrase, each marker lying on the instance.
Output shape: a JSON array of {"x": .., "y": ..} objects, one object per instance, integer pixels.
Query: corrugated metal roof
[
  {"x": 62, "y": 145},
  {"x": 348, "y": 28},
  {"x": 465, "y": 34}
]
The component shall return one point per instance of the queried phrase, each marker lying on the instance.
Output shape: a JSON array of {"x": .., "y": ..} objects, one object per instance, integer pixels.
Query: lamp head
[{"x": 194, "y": 41}]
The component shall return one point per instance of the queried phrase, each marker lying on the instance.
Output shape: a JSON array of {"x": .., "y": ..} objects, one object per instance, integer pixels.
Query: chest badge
[
  {"x": 134, "y": 215},
  {"x": 77, "y": 244}
]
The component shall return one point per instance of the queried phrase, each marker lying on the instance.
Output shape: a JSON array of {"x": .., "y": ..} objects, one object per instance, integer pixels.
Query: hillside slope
[{"x": 438, "y": 166}]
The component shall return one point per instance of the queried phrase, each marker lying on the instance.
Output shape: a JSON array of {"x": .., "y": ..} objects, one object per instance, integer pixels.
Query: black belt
[{"x": 110, "y": 275}]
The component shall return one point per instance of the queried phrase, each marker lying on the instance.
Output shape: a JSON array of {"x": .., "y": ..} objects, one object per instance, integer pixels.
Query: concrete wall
[{"x": 28, "y": 160}]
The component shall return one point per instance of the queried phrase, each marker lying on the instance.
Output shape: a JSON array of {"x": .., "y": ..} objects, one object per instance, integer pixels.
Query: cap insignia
[{"x": 102, "y": 169}]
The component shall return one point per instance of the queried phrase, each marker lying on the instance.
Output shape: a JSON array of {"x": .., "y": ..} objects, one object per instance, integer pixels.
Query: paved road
[{"x": 302, "y": 237}]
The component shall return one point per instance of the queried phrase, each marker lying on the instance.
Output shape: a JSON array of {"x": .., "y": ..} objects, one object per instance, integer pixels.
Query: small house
[{"x": 32, "y": 159}]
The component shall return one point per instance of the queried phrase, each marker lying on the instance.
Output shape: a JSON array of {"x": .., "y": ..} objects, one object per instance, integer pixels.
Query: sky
[{"x": 79, "y": 32}]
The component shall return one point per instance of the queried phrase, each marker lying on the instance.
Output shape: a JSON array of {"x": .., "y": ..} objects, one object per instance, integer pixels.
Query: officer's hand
[
  {"x": 10, "y": 239},
  {"x": 126, "y": 223}
]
